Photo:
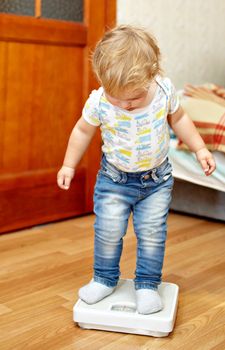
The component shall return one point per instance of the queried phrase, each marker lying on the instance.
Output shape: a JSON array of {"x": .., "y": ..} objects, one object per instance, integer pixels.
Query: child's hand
[
  {"x": 206, "y": 160},
  {"x": 64, "y": 177}
]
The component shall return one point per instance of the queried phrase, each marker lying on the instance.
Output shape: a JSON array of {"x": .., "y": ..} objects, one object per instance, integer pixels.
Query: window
[
  {"x": 66, "y": 10},
  {"x": 18, "y": 7}
]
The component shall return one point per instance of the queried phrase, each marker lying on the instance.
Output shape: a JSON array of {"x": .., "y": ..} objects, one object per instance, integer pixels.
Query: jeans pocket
[
  {"x": 110, "y": 173},
  {"x": 162, "y": 174}
]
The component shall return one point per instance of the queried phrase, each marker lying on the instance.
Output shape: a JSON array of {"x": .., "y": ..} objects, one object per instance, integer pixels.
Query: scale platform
[{"x": 117, "y": 312}]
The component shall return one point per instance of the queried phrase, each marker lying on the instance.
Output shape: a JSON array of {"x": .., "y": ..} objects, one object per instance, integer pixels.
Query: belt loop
[
  {"x": 153, "y": 175},
  {"x": 123, "y": 177}
]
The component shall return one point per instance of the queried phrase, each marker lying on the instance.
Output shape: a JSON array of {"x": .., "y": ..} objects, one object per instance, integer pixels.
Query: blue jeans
[{"x": 147, "y": 195}]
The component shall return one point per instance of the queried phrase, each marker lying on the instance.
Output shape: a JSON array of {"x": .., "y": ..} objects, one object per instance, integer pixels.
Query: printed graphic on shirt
[{"x": 134, "y": 141}]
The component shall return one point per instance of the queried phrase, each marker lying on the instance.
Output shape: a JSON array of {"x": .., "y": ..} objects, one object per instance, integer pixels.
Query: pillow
[{"x": 209, "y": 119}]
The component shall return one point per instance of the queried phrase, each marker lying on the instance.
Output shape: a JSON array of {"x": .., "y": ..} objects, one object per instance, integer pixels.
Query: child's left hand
[{"x": 206, "y": 160}]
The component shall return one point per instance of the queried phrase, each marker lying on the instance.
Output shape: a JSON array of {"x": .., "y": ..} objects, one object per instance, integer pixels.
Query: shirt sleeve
[
  {"x": 174, "y": 102},
  {"x": 91, "y": 109}
]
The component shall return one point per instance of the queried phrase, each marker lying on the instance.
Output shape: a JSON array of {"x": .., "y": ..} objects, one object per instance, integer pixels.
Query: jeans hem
[
  {"x": 145, "y": 285},
  {"x": 105, "y": 282}
]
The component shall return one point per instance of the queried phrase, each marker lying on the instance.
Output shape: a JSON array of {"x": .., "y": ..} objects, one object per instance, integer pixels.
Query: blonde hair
[{"x": 126, "y": 57}]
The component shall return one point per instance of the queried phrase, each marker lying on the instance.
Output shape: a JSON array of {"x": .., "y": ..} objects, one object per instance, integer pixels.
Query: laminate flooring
[{"x": 42, "y": 268}]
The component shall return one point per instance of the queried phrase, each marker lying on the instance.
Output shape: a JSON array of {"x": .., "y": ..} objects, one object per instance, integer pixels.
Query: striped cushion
[{"x": 209, "y": 119}]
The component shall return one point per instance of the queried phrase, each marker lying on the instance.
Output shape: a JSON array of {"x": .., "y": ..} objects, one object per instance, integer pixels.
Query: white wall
[{"x": 190, "y": 33}]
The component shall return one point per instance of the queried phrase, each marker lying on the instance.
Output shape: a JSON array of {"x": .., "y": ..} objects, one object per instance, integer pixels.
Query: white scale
[{"x": 117, "y": 312}]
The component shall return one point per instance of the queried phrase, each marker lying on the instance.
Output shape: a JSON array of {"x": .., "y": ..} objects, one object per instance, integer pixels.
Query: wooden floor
[{"x": 42, "y": 268}]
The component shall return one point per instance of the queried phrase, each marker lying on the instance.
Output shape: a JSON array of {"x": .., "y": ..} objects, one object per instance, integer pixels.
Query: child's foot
[
  {"x": 93, "y": 292},
  {"x": 148, "y": 301}
]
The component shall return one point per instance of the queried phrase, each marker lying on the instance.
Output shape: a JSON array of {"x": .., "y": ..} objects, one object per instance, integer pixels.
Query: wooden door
[{"x": 45, "y": 78}]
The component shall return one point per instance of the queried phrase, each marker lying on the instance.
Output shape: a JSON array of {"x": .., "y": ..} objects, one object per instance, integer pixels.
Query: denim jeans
[{"x": 117, "y": 194}]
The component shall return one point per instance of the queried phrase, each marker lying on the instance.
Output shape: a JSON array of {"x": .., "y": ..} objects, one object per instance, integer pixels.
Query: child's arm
[
  {"x": 79, "y": 140},
  {"x": 186, "y": 131}
]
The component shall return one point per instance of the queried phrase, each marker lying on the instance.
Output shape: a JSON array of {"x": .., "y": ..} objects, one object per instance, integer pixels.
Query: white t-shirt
[{"x": 136, "y": 140}]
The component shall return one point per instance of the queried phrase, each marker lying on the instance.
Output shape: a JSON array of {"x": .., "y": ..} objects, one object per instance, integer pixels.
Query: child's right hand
[{"x": 64, "y": 177}]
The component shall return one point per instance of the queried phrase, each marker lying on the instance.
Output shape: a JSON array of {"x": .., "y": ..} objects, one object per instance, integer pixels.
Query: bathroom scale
[{"x": 117, "y": 312}]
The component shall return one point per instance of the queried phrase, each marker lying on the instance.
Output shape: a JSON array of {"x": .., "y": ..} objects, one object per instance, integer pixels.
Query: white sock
[
  {"x": 148, "y": 301},
  {"x": 93, "y": 292}
]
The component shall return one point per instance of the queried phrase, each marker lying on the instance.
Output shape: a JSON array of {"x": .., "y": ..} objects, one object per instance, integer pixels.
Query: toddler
[{"x": 133, "y": 108}]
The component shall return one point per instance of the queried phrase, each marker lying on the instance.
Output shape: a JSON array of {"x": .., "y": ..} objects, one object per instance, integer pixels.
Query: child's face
[{"x": 130, "y": 99}]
